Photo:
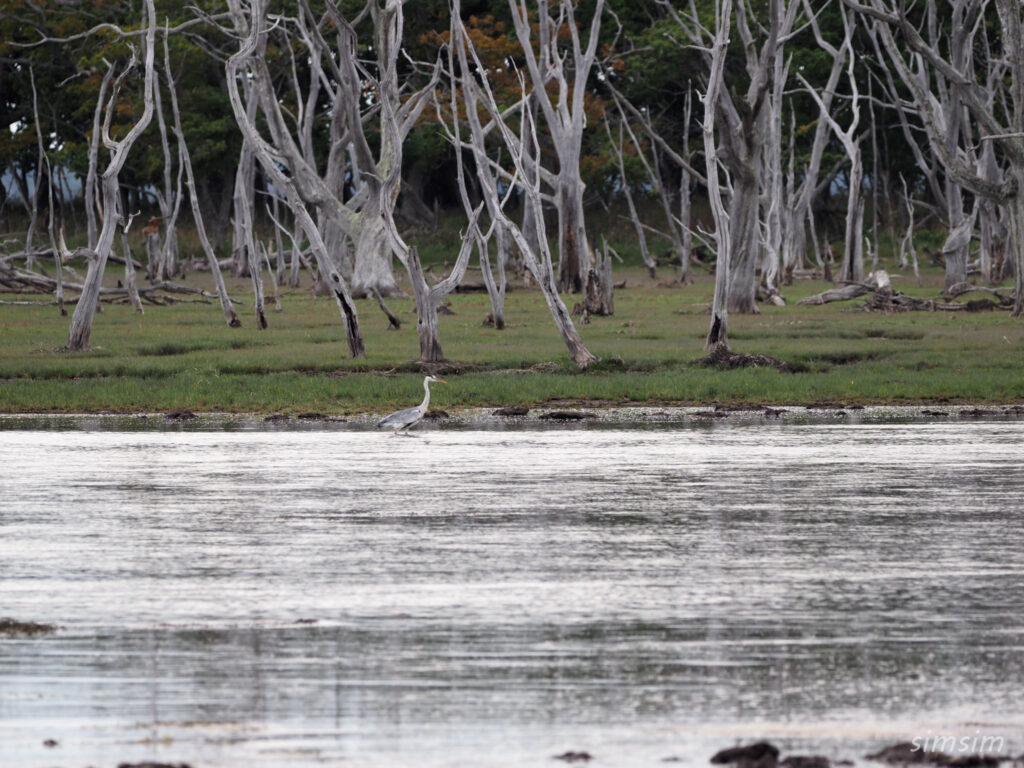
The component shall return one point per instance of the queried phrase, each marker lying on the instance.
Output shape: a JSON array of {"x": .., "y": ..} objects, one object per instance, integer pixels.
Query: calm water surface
[{"x": 473, "y": 597}]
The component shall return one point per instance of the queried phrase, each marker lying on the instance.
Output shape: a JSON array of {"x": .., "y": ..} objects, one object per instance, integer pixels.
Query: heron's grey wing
[{"x": 399, "y": 418}]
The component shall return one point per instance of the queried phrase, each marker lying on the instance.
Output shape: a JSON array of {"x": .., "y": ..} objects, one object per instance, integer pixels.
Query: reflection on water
[{"x": 299, "y": 597}]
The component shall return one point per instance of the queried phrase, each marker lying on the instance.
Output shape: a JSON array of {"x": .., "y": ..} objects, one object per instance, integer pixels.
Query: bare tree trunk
[
  {"x": 33, "y": 214},
  {"x": 743, "y": 132},
  {"x": 907, "y": 241},
  {"x": 51, "y": 226},
  {"x": 533, "y": 229},
  {"x": 427, "y": 326},
  {"x": 81, "y": 322},
  {"x": 852, "y": 269},
  {"x": 230, "y": 316},
  {"x": 718, "y": 333},
  {"x": 246, "y": 59},
  {"x": 573, "y": 262},
  {"x": 1015, "y": 217},
  {"x": 272, "y": 274},
  {"x": 130, "y": 284},
  {"x": 564, "y": 119},
  {"x": 495, "y": 288},
  {"x": 599, "y": 291},
  {"x": 477, "y": 93},
  {"x": 169, "y": 202},
  {"x": 634, "y": 217}
]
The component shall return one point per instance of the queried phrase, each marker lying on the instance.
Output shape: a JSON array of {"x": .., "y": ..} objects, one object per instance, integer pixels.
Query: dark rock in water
[
  {"x": 277, "y": 417},
  {"x": 568, "y": 415},
  {"x": 436, "y": 415},
  {"x": 153, "y": 765},
  {"x": 179, "y": 415},
  {"x": 515, "y": 410},
  {"x": 51, "y": 743},
  {"x": 575, "y": 757},
  {"x": 972, "y": 761},
  {"x": 806, "y": 761},
  {"x": 13, "y": 628},
  {"x": 761, "y": 754},
  {"x": 927, "y": 412},
  {"x": 976, "y": 413},
  {"x": 904, "y": 753}
]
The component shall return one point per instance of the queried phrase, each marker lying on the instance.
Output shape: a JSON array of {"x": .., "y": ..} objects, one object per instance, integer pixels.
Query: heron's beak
[{"x": 440, "y": 381}]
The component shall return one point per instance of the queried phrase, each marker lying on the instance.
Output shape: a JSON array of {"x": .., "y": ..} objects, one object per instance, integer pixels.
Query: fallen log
[
  {"x": 845, "y": 293},
  {"x": 878, "y": 281}
]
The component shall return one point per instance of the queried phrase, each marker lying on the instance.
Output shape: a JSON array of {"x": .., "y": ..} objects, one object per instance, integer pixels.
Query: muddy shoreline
[{"x": 551, "y": 415}]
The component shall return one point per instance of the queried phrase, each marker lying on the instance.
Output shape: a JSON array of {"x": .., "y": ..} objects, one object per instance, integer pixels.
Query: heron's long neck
[{"x": 426, "y": 396}]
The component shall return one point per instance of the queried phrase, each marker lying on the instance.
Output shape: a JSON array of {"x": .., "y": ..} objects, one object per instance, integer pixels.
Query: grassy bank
[{"x": 183, "y": 356}]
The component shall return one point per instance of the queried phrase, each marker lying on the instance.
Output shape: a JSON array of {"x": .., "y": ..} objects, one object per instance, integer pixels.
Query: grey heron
[{"x": 402, "y": 421}]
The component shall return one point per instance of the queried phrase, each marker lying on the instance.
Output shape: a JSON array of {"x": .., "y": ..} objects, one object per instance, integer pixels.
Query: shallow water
[{"x": 480, "y": 597}]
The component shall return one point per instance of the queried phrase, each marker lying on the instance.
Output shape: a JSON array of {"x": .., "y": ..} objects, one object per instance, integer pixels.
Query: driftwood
[
  {"x": 881, "y": 298},
  {"x": 845, "y": 293},
  {"x": 877, "y": 282},
  {"x": 897, "y": 302}
]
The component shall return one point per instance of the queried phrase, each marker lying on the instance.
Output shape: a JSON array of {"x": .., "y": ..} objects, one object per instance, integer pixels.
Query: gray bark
[
  {"x": 82, "y": 319},
  {"x": 1005, "y": 128},
  {"x": 718, "y": 333},
  {"x": 246, "y": 60},
  {"x": 477, "y": 93},
  {"x": 230, "y": 316},
  {"x": 564, "y": 119}
]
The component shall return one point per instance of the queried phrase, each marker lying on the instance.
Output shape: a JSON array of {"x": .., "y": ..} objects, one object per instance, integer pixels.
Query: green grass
[{"x": 184, "y": 356}]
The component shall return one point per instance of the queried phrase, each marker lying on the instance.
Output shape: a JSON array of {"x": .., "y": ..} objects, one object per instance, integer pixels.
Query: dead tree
[
  {"x": 914, "y": 51},
  {"x": 599, "y": 289},
  {"x": 798, "y": 214},
  {"x": 718, "y": 333},
  {"x": 495, "y": 288},
  {"x": 472, "y": 79},
  {"x": 51, "y": 219},
  {"x": 353, "y": 152},
  {"x": 773, "y": 185},
  {"x": 617, "y": 148},
  {"x": 247, "y": 61},
  {"x": 678, "y": 231},
  {"x": 907, "y": 249},
  {"x": 743, "y": 130},
  {"x": 168, "y": 199},
  {"x": 230, "y": 316},
  {"x": 130, "y": 282},
  {"x": 564, "y": 75},
  {"x": 428, "y": 298},
  {"x": 852, "y": 269},
  {"x": 82, "y": 319},
  {"x": 92, "y": 198}
]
